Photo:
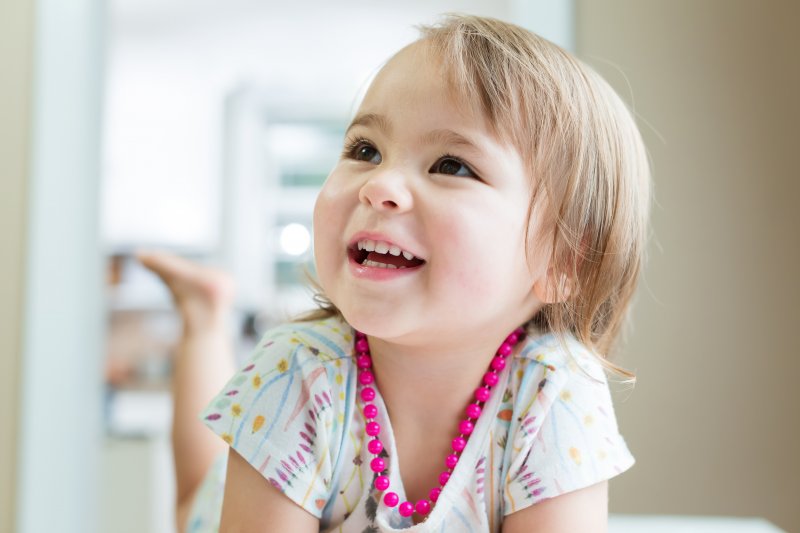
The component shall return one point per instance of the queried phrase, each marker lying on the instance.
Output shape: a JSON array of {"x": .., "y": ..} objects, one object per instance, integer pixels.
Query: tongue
[{"x": 396, "y": 260}]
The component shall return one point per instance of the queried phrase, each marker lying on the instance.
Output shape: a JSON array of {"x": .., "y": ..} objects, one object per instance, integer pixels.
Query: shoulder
[
  {"x": 282, "y": 412},
  {"x": 297, "y": 372},
  {"x": 548, "y": 367},
  {"x": 562, "y": 354},
  {"x": 563, "y": 427},
  {"x": 322, "y": 341}
]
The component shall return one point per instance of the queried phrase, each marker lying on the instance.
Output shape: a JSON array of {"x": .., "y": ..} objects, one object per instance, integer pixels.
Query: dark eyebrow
[{"x": 371, "y": 119}]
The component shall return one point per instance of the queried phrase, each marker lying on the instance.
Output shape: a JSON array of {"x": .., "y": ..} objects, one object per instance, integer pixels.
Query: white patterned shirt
[{"x": 291, "y": 412}]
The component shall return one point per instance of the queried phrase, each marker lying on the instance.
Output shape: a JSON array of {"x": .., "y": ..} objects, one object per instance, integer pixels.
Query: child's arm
[
  {"x": 584, "y": 510},
  {"x": 252, "y": 504}
]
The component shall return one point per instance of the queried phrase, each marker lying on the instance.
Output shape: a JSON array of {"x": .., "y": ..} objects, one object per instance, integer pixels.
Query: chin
[
  {"x": 365, "y": 322},
  {"x": 375, "y": 324}
]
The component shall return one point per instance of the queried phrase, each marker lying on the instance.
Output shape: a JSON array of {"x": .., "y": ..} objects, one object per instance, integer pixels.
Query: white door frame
[{"x": 60, "y": 403}]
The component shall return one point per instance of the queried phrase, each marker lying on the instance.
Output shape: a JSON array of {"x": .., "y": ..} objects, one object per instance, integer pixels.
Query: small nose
[{"x": 386, "y": 191}]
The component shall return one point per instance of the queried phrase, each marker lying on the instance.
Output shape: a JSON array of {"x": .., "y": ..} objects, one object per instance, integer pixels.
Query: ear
[{"x": 553, "y": 287}]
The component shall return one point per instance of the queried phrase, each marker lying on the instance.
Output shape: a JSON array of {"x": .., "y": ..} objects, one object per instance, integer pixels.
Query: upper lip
[{"x": 376, "y": 236}]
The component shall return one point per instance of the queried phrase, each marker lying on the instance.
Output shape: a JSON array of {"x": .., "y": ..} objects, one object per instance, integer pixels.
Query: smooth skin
[
  {"x": 584, "y": 511},
  {"x": 252, "y": 504}
]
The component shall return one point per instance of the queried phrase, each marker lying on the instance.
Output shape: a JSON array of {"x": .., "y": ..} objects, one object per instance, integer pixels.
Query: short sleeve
[
  {"x": 277, "y": 413},
  {"x": 567, "y": 439}
]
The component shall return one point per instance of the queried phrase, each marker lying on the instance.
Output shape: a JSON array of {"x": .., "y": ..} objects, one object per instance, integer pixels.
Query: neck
[
  {"x": 434, "y": 414},
  {"x": 413, "y": 378}
]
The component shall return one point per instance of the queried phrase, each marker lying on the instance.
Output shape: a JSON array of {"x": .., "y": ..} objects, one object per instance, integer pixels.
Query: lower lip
[{"x": 379, "y": 274}]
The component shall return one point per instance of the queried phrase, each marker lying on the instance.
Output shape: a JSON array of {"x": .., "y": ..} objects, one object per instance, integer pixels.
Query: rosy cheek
[
  {"x": 328, "y": 210},
  {"x": 469, "y": 267},
  {"x": 324, "y": 229},
  {"x": 323, "y": 203}
]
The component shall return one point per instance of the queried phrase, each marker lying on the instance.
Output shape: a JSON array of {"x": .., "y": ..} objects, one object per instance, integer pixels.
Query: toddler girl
[{"x": 477, "y": 245}]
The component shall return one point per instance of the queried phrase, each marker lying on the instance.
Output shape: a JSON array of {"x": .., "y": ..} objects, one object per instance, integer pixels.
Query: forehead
[{"x": 416, "y": 81}]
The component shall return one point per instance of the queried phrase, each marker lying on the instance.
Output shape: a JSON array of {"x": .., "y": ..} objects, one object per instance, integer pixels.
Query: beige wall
[
  {"x": 715, "y": 418},
  {"x": 16, "y": 36}
]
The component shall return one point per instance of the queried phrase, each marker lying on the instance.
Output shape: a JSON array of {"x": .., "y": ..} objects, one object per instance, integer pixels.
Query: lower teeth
[{"x": 375, "y": 264}]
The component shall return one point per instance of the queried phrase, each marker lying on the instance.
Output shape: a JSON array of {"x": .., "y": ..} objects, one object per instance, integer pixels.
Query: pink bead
[
  {"x": 406, "y": 509},
  {"x": 377, "y": 465},
  {"x": 391, "y": 499},
  {"x": 367, "y": 394},
  {"x": 498, "y": 363},
  {"x": 370, "y": 411},
  {"x": 482, "y": 394},
  {"x": 504, "y": 350},
  {"x": 451, "y": 461},
  {"x": 375, "y": 446},
  {"x": 423, "y": 507},
  {"x": 466, "y": 427},
  {"x": 381, "y": 483}
]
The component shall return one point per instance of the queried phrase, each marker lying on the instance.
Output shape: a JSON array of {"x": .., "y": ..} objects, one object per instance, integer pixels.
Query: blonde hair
[{"x": 586, "y": 159}]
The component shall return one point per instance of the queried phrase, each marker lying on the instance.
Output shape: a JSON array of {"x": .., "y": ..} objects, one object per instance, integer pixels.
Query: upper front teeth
[{"x": 383, "y": 247}]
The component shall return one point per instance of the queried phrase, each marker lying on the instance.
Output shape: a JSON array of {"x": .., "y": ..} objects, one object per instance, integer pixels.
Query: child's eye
[
  {"x": 361, "y": 150},
  {"x": 452, "y": 166},
  {"x": 366, "y": 152}
]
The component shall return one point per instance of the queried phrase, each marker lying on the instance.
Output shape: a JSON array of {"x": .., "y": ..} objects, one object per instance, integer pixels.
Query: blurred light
[{"x": 295, "y": 239}]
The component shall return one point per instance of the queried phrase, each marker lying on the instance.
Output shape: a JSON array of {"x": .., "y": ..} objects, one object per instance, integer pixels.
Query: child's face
[{"x": 422, "y": 173}]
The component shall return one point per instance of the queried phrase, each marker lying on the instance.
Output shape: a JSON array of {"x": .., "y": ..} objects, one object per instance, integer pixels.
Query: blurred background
[{"x": 206, "y": 128}]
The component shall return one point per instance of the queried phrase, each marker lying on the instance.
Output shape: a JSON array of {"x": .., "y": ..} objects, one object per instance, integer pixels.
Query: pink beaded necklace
[{"x": 366, "y": 378}]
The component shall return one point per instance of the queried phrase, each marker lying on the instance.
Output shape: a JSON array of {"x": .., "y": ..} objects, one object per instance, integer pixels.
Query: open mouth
[{"x": 381, "y": 254}]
